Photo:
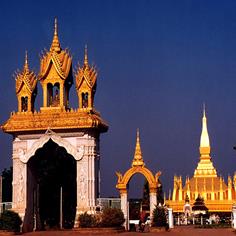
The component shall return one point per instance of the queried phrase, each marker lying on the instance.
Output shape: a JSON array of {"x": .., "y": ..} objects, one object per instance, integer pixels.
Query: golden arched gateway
[{"x": 138, "y": 166}]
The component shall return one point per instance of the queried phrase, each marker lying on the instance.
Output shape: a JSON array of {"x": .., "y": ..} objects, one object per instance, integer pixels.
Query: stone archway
[
  {"x": 51, "y": 182},
  {"x": 138, "y": 166}
]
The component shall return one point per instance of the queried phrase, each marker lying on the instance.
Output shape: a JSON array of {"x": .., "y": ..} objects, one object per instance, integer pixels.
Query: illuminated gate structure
[
  {"x": 138, "y": 166},
  {"x": 56, "y": 148}
]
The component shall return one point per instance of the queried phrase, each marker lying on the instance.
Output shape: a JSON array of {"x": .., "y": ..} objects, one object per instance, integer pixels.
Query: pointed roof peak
[
  {"x": 138, "y": 158},
  {"x": 55, "y": 42},
  {"x": 204, "y": 141},
  {"x": 137, "y": 134},
  {"x": 86, "y": 55},
  {"x": 204, "y": 109}
]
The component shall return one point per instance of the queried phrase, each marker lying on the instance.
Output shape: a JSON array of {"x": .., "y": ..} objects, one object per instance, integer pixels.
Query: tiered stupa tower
[
  {"x": 75, "y": 132},
  {"x": 205, "y": 166},
  {"x": 205, "y": 182}
]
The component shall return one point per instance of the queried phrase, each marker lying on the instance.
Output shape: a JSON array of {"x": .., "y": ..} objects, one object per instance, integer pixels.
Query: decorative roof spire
[
  {"x": 86, "y": 55},
  {"x": 204, "y": 141},
  {"x": 26, "y": 65},
  {"x": 138, "y": 159},
  {"x": 55, "y": 42}
]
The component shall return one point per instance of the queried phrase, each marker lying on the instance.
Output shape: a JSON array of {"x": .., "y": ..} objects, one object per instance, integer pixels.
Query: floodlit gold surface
[{"x": 217, "y": 196}]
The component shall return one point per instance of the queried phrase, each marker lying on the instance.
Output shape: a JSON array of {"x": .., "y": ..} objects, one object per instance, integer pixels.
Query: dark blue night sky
[{"x": 158, "y": 62}]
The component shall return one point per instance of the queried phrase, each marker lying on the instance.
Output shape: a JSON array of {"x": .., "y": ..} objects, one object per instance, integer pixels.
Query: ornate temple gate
[
  {"x": 138, "y": 166},
  {"x": 74, "y": 131}
]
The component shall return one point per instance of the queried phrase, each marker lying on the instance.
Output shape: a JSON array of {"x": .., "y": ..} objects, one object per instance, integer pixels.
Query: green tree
[
  {"x": 10, "y": 220},
  {"x": 159, "y": 217},
  {"x": 7, "y": 185},
  {"x": 112, "y": 217}
]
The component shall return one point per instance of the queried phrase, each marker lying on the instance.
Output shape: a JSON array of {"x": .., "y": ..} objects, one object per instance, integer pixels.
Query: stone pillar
[
  {"x": 153, "y": 201},
  {"x": 86, "y": 175},
  {"x": 19, "y": 182},
  {"x": 124, "y": 206},
  {"x": 170, "y": 218}
]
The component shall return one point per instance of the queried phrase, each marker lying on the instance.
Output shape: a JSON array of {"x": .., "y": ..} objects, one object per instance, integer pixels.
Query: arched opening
[
  {"x": 49, "y": 94},
  {"x": 123, "y": 182},
  {"x": 138, "y": 198},
  {"x": 84, "y": 100},
  {"x": 51, "y": 188},
  {"x": 56, "y": 95},
  {"x": 24, "y": 103}
]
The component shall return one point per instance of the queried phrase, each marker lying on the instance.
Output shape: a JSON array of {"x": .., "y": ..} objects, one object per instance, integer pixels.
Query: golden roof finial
[
  {"x": 138, "y": 159},
  {"x": 86, "y": 55},
  {"x": 55, "y": 42},
  {"x": 26, "y": 65},
  {"x": 204, "y": 141}
]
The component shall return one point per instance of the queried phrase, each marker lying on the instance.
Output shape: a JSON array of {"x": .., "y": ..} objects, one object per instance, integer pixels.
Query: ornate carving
[
  {"x": 119, "y": 175},
  {"x": 82, "y": 185},
  {"x": 21, "y": 155},
  {"x": 77, "y": 154},
  {"x": 157, "y": 175},
  {"x": 55, "y": 119}
]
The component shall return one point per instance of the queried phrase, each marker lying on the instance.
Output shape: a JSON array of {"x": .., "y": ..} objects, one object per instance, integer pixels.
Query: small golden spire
[
  {"x": 138, "y": 159},
  {"x": 55, "y": 42},
  {"x": 86, "y": 55},
  {"x": 26, "y": 65},
  {"x": 55, "y": 26}
]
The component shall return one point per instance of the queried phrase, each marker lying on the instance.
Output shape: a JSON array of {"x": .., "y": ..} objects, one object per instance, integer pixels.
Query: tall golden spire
[
  {"x": 86, "y": 55},
  {"x": 55, "y": 42},
  {"x": 26, "y": 65},
  {"x": 205, "y": 166},
  {"x": 204, "y": 140},
  {"x": 138, "y": 159}
]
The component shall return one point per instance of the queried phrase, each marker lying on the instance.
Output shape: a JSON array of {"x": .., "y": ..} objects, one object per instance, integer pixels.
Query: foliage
[
  {"x": 87, "y": 221},
  {"x": 112, "y": 217},
  {"x": 159, "y": 217},
  {"x": 7, "y": 185},
  {"x": 10, "y": 220}
]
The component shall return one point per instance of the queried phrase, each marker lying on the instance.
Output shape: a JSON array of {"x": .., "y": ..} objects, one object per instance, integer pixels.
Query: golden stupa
[{"x": 218, "y": 196}]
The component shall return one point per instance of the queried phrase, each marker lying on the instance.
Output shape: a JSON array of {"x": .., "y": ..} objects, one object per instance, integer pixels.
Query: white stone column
[
  {"x": 86, "y": 171},
  {"x": 19, "y": 182},
  {"x": 170, "y": 218},
  {"x": 153, "y": 201},
  {"x": 124, "y": 206}
]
